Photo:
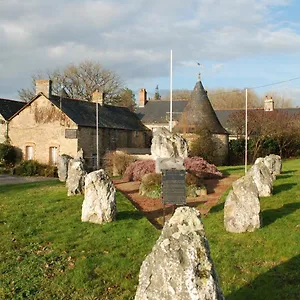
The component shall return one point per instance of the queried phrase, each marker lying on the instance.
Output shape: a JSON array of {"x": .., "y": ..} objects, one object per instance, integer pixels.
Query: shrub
[
  {"x": 151, "y": 179},
  {"x": 204, "y": 145},
  {"x": 34, "y": 168},
  {"x": 136, "y": 170},
  {"x": 117, "y": 162},
  {"x": 191, "y": 179},
  {"x": 8, "y": 154},
  {"x": 201, "y": 168}
]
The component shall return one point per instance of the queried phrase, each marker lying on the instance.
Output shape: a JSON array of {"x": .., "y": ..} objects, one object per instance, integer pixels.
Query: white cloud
[{"x": 134, "y": 37}]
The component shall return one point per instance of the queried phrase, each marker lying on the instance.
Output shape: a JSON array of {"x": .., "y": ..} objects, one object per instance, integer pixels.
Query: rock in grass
[
  {"x": 99, "y": 205},
  {"x": 76, "y": 176},
  {"x": 179, "y": 266},
  {"x": 262, "y": 178},
  {"x": 242, "y": 207},
  {"x": 62, "y": 167},
  {"x": 273, "y": 163}
]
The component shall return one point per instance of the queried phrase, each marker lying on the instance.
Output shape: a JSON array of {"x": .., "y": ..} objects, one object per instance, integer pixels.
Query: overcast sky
[{"x": 240, "y": 43}]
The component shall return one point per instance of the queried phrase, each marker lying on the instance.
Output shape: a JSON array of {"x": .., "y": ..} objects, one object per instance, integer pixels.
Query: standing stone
[
  {"x": 262, "y": 178},
  {"x": 242, "y": 206},
  {"x": 273, "y": 162},
  {"x": 166, "y": 144},
  {"x": 62, "y": 167},
  {"x": 76, "y": 176},
  {"x": 99, "y": 205},
  {"x": 179, "y": 266}
]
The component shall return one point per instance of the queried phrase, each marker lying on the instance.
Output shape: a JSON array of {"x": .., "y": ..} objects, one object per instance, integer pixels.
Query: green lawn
[
  {"x": 264, "y": 264},
  {"x": 48, "y": 253}
]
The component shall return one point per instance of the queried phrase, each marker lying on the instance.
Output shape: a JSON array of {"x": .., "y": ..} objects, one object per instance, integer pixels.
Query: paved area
[
  {"x": 153, "y": 208},
  {"x": 10, "y": 179}
]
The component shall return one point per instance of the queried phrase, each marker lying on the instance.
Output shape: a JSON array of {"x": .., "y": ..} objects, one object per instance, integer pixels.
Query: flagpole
[
  {"x": 246, "y": 131},
  {"x": 97, "y": 132},
  {"x": 171, "y": 88}
]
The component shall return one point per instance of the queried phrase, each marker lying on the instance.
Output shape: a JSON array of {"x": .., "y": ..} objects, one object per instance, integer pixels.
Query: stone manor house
[{"x": 51, "y": 125}]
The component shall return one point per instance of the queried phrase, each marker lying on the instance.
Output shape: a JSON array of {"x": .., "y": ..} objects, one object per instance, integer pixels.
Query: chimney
[
  {"x": 43, "y": 86},
  {"x": 269, "y": 104},
  {"x": 142, "y": 97},
  {"x": 97, "y": 97}
]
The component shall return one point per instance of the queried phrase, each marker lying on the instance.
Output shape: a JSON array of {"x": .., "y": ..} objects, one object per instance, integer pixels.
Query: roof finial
[{"x": 199, "y": 74}]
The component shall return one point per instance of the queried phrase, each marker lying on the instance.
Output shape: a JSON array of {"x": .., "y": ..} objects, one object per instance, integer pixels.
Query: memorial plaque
[
  {"x": 71, "y": 133},
  {"x": 173, "y": 187}
]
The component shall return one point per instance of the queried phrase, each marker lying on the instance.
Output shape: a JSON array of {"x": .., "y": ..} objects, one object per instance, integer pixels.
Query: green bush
[
  {"x": 34, "y": 168},
  {"x": 8, "y": 154},
  {"x": 204, "y": 145}
]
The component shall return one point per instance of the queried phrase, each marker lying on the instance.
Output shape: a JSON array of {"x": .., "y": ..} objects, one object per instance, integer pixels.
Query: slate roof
[
  {"x": 155, "y": 112},
  {"x": 9, "y": 107},
  {"x": 199, "y": 112},
  {"x": 83, "y": 113}
]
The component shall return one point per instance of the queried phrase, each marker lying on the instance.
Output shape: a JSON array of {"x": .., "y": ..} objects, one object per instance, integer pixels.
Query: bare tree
[{"x": 80, "y": 81}]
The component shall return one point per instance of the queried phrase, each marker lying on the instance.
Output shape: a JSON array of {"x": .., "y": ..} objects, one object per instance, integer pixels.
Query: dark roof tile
[{"x": 9, "y": 107}]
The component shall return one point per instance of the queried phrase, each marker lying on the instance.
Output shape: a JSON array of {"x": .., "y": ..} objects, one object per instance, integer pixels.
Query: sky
[{"x": 239, "y": 43}]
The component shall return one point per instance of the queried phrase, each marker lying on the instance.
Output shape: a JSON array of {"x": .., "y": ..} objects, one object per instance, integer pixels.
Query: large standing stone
[
  {"x": 166, "y": 144},
  {"x": 262, "y": 178},
  {"x": 273, "y": 163},
  {"x": 99, "y": 205},
  {"x": 62, "y": 167},
  {"x": 179, "y": 266},
  {"x": 76, "y": 176},
  {"x": 242, "y": 206}
]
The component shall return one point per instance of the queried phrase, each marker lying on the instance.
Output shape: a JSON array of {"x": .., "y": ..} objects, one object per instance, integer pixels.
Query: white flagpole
[
  {"x": 246, "y": 131},
  {"x": 171, "y": 88},
  {"x": 97, "y": 133}
]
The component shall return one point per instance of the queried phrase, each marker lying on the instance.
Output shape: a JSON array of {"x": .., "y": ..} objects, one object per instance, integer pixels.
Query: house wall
[
  {"x": 109, "y": 139},
  {"x": 42, "y": 125},
  {"x": 2, "y": 129},
  {"x": 221, "y": 142}
]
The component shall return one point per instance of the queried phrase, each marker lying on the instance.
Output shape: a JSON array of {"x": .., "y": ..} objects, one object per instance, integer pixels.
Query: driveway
[{"x": 10, "y": 179}]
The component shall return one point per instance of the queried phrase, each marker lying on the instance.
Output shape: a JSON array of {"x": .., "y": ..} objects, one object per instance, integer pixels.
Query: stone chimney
[
  {"x": 269, "y": 104},
  {"x": 142, "y": 97},
  {"x": 43, "y": 86},
  {"x": 97, "y": 97}
]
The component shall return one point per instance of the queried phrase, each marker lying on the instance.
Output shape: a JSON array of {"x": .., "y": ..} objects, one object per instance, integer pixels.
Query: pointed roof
[{"x": 200, "y": 113}]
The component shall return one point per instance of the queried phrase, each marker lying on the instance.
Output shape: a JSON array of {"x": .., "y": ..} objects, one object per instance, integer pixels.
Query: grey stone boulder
[
  {"x": 62, "y": 167},
  {"x": 262, "y": 178},
  {"x": 242, "y": 207},
  {"x": 274, "y": 164},
  {"x": 166, "y": 144},
  {"x": 180, "y": 266},
  {"x": 99, "y": 205},
  {"x": 169, "y": 163},
  {"x": 76, "y": 177}
]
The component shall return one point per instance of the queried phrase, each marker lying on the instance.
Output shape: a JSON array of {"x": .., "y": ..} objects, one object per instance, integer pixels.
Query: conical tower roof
[{"x": 199, "y": 113}]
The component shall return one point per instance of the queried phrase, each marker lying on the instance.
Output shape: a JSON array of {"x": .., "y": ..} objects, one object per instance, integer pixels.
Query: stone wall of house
[
  {"x": 2, "y": 129},
  {"x": 221, "y": 142},
  {"x": 41, "y": 126}
]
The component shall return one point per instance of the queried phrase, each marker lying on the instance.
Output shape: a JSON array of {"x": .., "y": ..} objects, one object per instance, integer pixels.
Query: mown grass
[
  {"x": 264, "y": 264},
  {"x": 48, "y": 253}
]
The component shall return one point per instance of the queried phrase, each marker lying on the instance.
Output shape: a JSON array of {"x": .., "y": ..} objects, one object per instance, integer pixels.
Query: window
[
  {"x": 53, "y": 155},
  {"x": 29, "y": 153}
]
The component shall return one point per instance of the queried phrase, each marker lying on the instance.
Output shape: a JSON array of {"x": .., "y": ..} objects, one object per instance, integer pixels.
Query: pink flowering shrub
[
  {"x": 201, "y": 168},
  {"x": 136, "y": 170},
  {"x": 194, "y": 165}
]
